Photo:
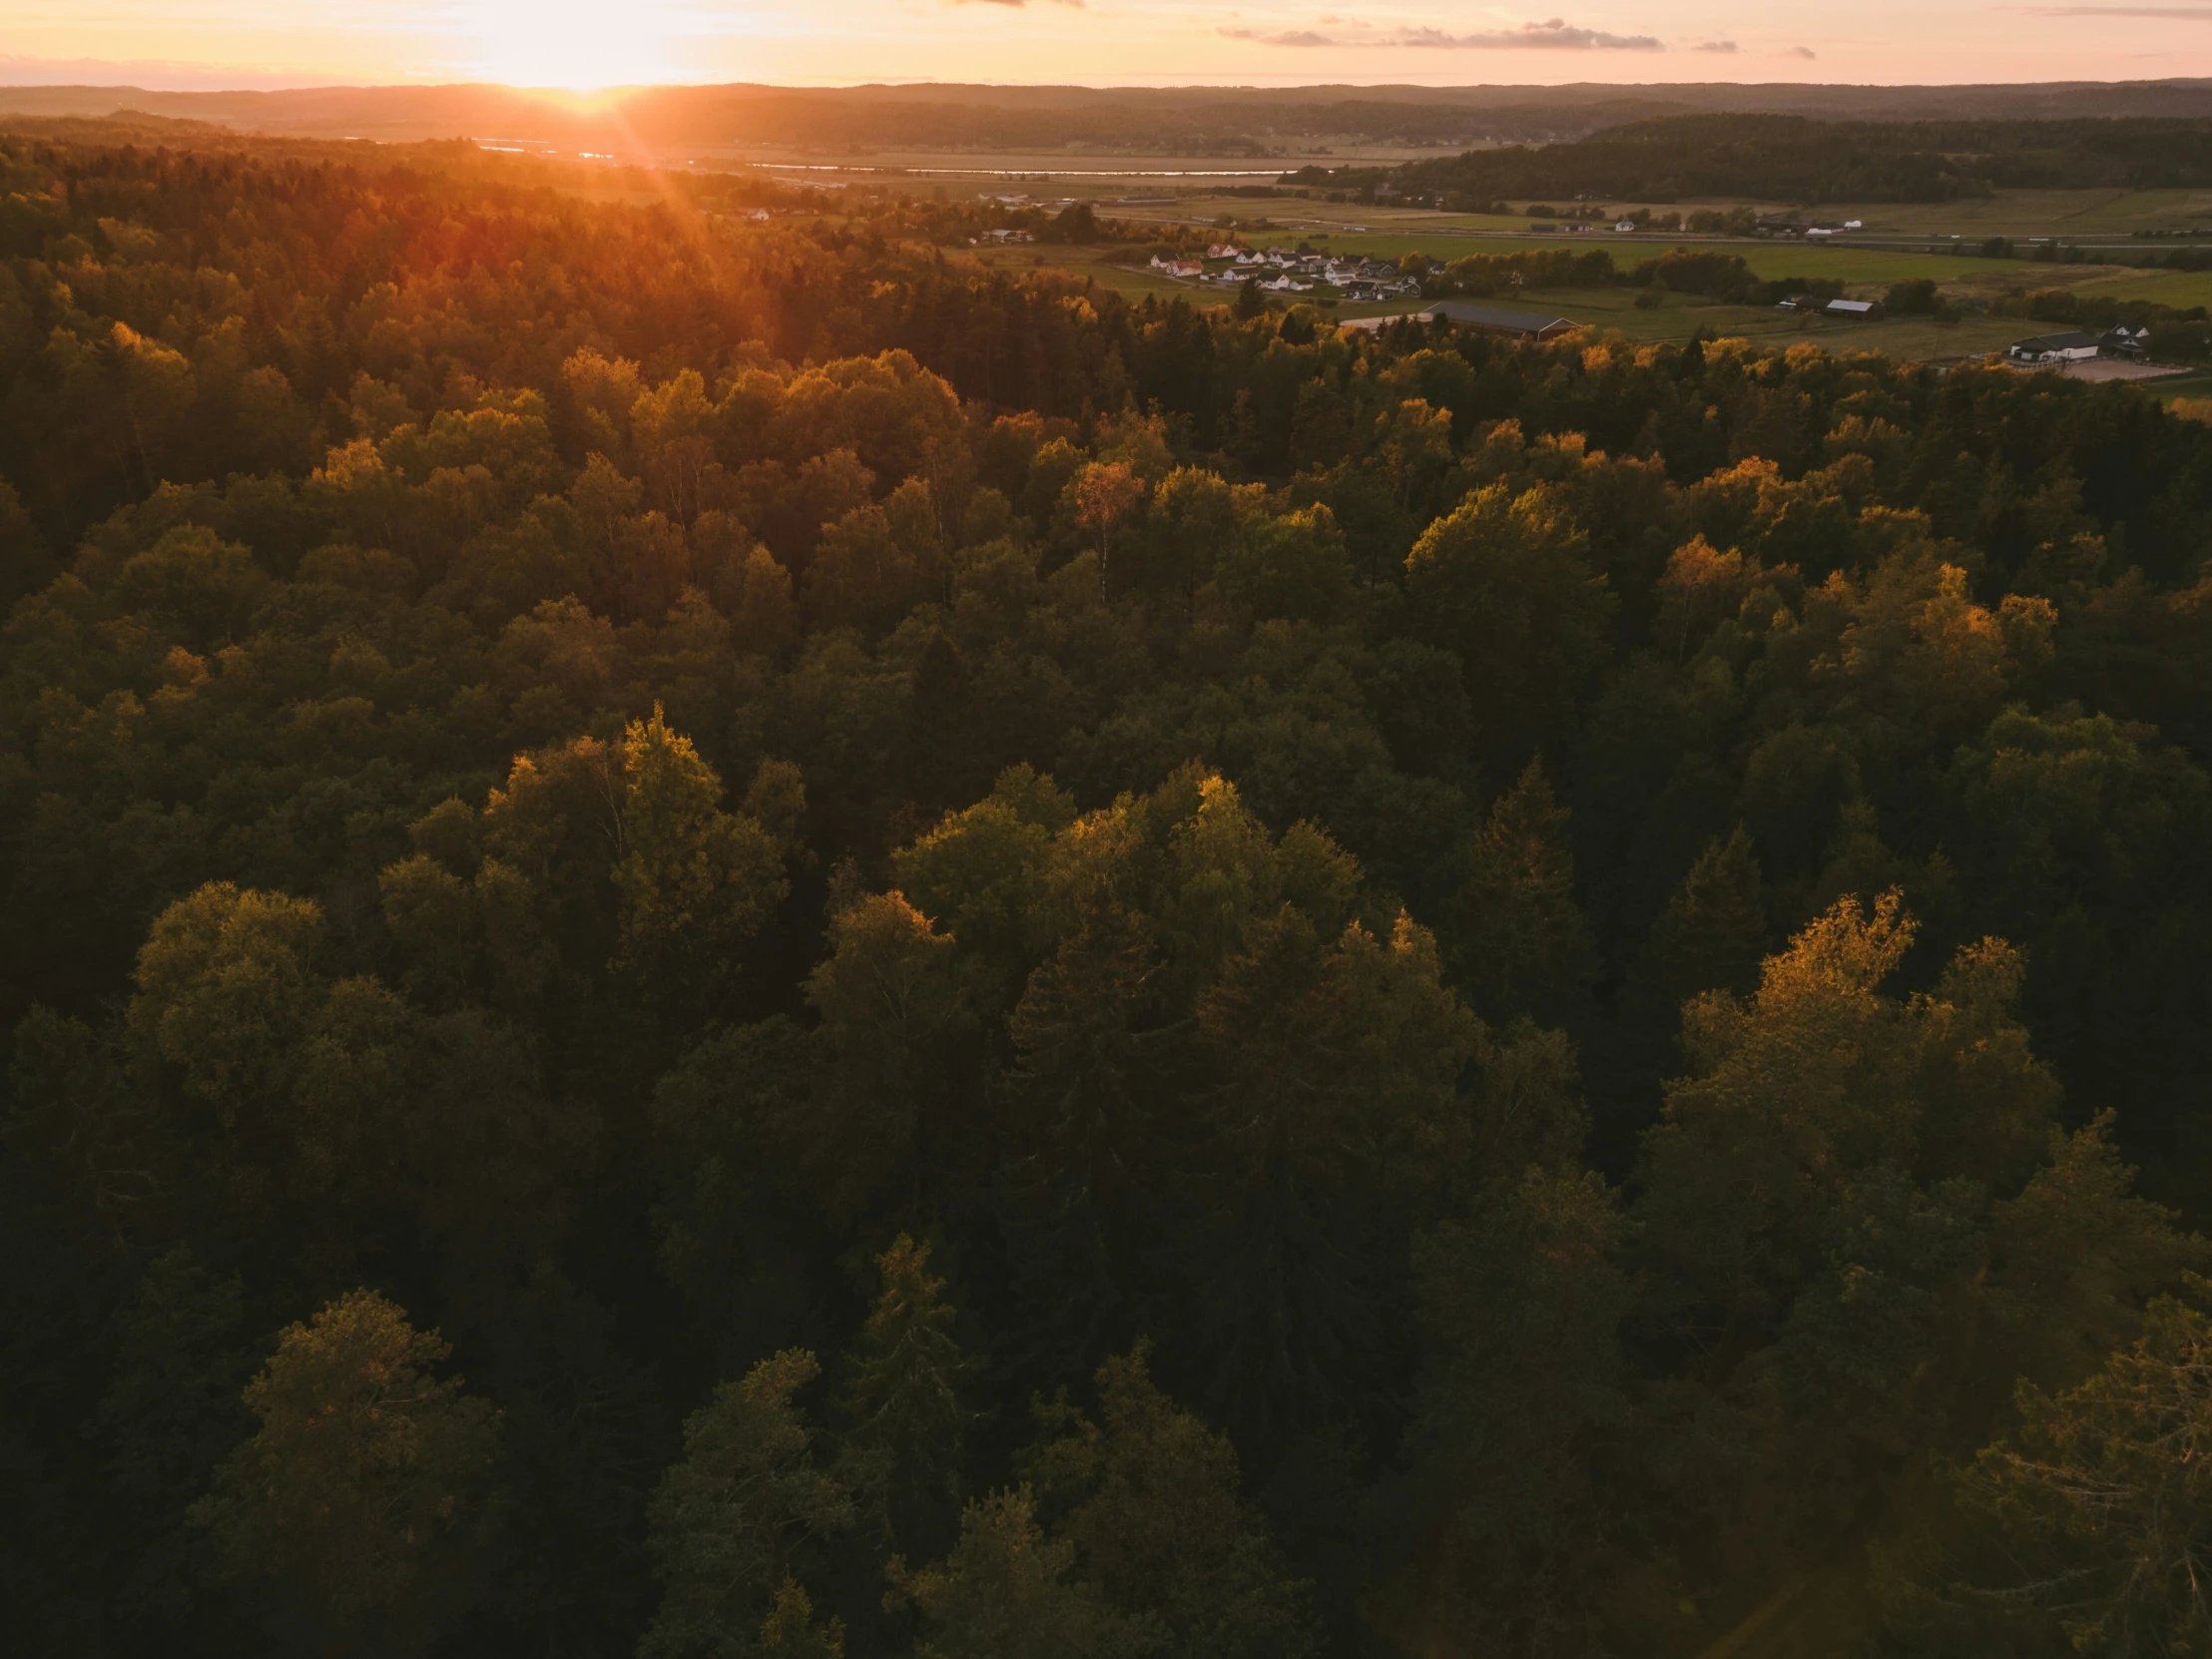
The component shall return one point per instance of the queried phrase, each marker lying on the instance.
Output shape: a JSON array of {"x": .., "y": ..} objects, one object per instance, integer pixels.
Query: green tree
[
  {"x": 789, "y": 1631},
  {"x": 170, "y": 1417},
  {"x": 229, "y": 983},
  {"x": 1005, "y": 1592},
  {"x": 362, "y": 1507},
  {"x": 903, "y": 1396},
  {"x": 1521, "y": 946},
  {"x": 695, "y": 881},
  {"x": 1292, "y": 566},
  {"x": 726, "y": 1521},
  {"x": 1504, "y": 582},
  {"x": 1151, "y": 1500},
  {"x": 1712, "y": 935},
  {"x": 1507, "y": 1508},
  {"x": 896, "y": 1019},
  {"x": 2102, "y": 1497}
]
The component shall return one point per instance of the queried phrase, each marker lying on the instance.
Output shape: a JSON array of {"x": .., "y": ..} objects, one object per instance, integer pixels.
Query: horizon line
[{"x": 1266, "y": 84}]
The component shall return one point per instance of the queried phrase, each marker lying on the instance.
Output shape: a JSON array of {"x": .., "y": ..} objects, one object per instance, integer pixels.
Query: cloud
[
  {"x": 1285, "y": 37},
  {"x": 1555, "y": 34},
  {"x": 1799, "y": 51},
  {"x": 1714, "y": 46}
]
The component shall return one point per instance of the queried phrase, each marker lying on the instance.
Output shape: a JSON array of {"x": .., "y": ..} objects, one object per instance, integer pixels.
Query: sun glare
[{"x": 576, "y": 45}]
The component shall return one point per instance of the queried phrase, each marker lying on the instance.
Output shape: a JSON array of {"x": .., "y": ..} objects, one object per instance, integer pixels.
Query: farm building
[
  {"x": 2071, "y": 347},
  {"x": 1490, "y": 319}
]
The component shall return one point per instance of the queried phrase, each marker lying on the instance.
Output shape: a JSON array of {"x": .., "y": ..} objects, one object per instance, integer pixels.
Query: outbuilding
[
  {"x": 1488, "y": 320},
  {"x": 2072, "y": 346}
]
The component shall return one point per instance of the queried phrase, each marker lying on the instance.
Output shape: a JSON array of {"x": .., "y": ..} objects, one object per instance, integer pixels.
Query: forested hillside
[
  {"x": 1788, "y": 158},
  {"x": 727, "y": 939}
]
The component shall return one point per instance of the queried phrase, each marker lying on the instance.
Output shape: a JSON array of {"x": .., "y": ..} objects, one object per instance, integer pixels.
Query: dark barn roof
[{"x": 1532, "y": 324}]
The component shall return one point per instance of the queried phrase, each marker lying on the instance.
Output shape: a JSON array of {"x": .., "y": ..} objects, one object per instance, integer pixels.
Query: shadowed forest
[{"x": 727, "y": 939}]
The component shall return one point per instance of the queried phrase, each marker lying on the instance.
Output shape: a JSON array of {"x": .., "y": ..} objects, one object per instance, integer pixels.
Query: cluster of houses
[
  {"x": 2073, "y": 346},
  {"x": 1279, "y": 272},
  {"x": 1813, "y": 230}
]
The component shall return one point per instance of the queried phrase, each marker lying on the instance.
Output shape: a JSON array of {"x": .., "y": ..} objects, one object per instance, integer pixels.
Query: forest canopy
[{"x": 732, "y": 939}]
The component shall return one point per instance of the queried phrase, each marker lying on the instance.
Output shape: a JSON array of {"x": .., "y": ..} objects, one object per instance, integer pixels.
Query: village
[{"x": 1278, "y": 270}]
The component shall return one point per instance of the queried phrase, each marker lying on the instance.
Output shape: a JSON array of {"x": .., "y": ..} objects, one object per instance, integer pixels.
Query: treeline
[
  {"x": 1782, "y": 158},
  {"x": 729, "y": 940},
  {"x": 1708, "y": 273}
]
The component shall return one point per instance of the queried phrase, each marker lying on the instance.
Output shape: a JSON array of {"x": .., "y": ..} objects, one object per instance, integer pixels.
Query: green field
[
  {"x": 1908, "y": 339},
  {"x": 2105, "y": 215},
  {"x": 1093, "y": 262},
  {"x": 1866, "y": 273},
  {"x": 2072, "y": 213}
]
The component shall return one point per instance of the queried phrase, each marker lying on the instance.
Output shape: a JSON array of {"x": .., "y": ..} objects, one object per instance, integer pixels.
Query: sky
[{"x": 181, "y": 44}]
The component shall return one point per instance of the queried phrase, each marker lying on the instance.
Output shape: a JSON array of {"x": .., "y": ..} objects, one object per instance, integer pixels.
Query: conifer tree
[
  {"x": 903, "y": 1396},
  {"x": 726, "y": 1521},
  {"x": 1521, "y": 943}
]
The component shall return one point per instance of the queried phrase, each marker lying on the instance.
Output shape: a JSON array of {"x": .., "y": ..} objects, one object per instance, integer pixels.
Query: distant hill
[
  {"x": 1793, "y": 158},
  {"x": 1187, "y": 120}
]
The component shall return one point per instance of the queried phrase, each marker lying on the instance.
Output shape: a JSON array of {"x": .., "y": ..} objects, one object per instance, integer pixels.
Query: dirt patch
[{"x": 2118, "y": 368}]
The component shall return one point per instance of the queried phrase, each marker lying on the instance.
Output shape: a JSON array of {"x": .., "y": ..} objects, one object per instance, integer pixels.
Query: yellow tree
[{"x": 1105, "y": 495}]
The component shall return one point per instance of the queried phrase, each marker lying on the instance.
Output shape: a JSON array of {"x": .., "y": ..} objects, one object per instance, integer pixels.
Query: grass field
[
  {"x": 1092, "y": 262},
  {"x": 2085, "y": 214},
  {"x": 2037, "y": 213}
]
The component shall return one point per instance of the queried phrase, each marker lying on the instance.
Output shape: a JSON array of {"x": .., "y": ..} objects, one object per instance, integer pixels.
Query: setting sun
[{"x": 577, "y": 45}]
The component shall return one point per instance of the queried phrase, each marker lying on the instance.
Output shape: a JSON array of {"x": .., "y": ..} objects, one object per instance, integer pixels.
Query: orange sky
[{"x": 584, "y": 43}]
